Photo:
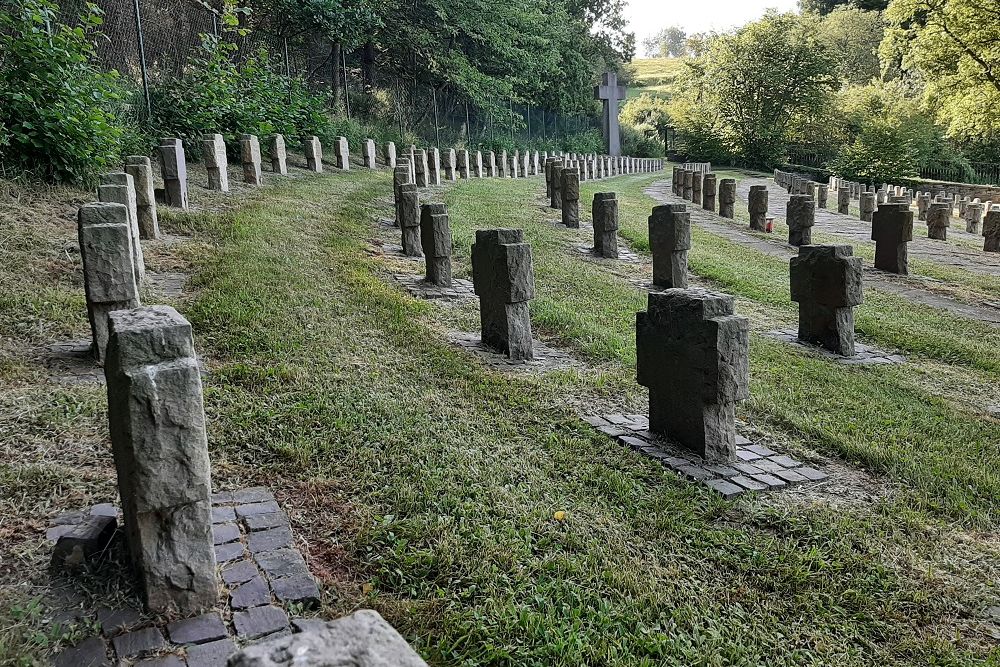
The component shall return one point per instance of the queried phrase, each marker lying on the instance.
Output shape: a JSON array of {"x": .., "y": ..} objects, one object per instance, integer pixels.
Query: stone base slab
[
  {"x": 863, "y": 354},
  {"x": 755, "y": 468},
  {"x": 262, "y": 575},
  {"x": 416, "y": 285},
  {"x": 545, "y": 357}
]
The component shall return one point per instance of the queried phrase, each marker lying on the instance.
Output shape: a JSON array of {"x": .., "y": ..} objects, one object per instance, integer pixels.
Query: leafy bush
[
  {"x": 57, "y": 109},
  {"x": 217, "y": 95},
  {"x": 641, "y": 141},
  {"x": 882, "y": 152}
]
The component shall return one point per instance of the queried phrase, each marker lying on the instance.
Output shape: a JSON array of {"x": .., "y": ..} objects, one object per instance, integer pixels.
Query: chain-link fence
[{"x": 152, "y": 41}]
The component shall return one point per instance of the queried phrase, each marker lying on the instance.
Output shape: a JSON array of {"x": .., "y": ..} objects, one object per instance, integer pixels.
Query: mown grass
[
  {"x": 655, "y": 76},
  {"x": 409, "y": 467}
]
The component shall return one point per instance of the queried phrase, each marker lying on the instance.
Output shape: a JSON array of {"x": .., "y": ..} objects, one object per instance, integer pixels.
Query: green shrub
[
  {"x": 57, "y": 109},
  {"x": 882, "y": 152},
  {"x": 217, "y": 95},
  {"x": 641, "y": 141}
]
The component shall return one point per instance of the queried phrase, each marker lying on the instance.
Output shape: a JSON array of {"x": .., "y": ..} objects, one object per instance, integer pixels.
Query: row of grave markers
[{"x": 980, "y": 217}]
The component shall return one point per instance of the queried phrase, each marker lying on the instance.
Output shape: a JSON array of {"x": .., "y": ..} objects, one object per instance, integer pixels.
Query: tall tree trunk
[
  {"x": 335, "y": 75},
  {"x": 368, "y": 65}
]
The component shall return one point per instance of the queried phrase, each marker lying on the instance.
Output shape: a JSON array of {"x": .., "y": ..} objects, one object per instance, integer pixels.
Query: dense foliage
[{"x": 57, "y": 110}]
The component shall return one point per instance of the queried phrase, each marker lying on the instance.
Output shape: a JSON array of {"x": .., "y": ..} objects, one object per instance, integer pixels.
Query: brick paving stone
[
  {"x": 162, "y": 661},
  {"x": 249, "y": 509},
  {"x": 676, "y": 461},
  {"x": 257, "y": 522},
  {"x": 742, "y": 441},
  {"x": 132, "y": 644},
  {"x": 791, "y": 476},
  {"x": 115, "y": 621},
  {"x": 770, "y": 480},
  {"x": 618, "y": 420},
  {"x": 726, "y": 489},
  {"x": 610, "y": 430},
  {"x": 786, "y": 461},
  {"x": 223, "y": 533},
  {"x": 761, "y": 449},
  {"x": 812, "y": 474},
  {"x": 645, "y": 434},
  {"x": 259, "y": 621},
  {"x": 104, "y": 509},
  {"x": 270, "y": 539},
  {"x": 213, "y": 654},
  {"x": 198, "y": 630},
  {"x": 297, "y": 588},
  {"x": 91, "y": 652},
  {"x": 222, "y": 497},
  {"x": 634, "y": 443},
  {"x": 239, "y": 573},
  {"x": 253, "y": 593},
  {"x": 282, "y": 563},
  {"x": 723, "y": 471},
  {"x": 747, "y": 468},
  {"x": 595, "y": 421},
  {"x": 256, "y": 494},
  {"x": 749, "y": 484},
  {"x": 746, "y": 455},
  {"x": 228, "y": 552},
  {"x": 223, "y": 514},
  {"x": 767, "y": 465},
  {"x": 694, "y": 472}
]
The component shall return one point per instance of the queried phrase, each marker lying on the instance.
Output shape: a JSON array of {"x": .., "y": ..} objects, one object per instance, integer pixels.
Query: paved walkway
[
  {"x": 988, "y": 313},
  {"x": 857, "y": 231}
]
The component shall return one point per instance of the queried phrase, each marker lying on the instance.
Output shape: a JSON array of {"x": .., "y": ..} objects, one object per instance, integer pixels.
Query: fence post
[{"x": 142, "y": 59}]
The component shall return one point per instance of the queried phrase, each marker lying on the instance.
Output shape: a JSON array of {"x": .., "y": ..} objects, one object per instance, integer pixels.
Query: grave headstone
[
  {"x": 434, "y": 163},
  {"x": 173, "y": 169},
  {"x": 119, "y": 188},
  {"x": 892, "y": 229},
  {"x": 451, "y": 165},
  {"x": 409, "y": 219},
  {"x": 556, "y": 173},
  {"x": 213, "y": 146},
  {"x": 844, "y": 201},
  {"x": 709, "y": 185},
  {"x": 250, "y": 154},
  {"x": 727, "y": 198},
  {"x": 696, "y": 184},
  {"x": 480, "y": 173},
  {"x": 669, "y": 242},
  {"x": 570, "y": 191},
  {"x": 991, "y": 230},
  {"x": 757, "y": 206},
  {"x": 314, "y": 154},
  {"x": 867, "y": 205},
  {"x": 688, "y": 185},
  {"x": 604, "y": 213},
  {"x": 923, "y": 202},
  {"x": 692, "y": 354},
  {"x": 973, "y": 217},
  {"x": 822, "y": 195},
  {"x": 390, "y": 155},
  {"x": 343, "y": 154},
  {"x": 421, "y": 175},
  {"x": 400, "y": 177},
  {"x": 463, "y": 164},
  {"x": 826, "y": 282},
  {"x": 503, "y": 278},
  {"x": 279, "y": 155},
  {"x": 435, "y": 239},
  {"x": 369, "y": 154},
  {"x": 938, "y": 220},
  {"x": 141, "y": 171},
  {"x": 800, "y": 215},
  {"x": 493, "y": 164},
  {"x": 109, "y": 276},
  {"x": 158, "y": 438}
]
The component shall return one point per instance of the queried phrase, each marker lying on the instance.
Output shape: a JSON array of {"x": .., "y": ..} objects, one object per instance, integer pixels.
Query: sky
[{"x": 647, "y": 17}]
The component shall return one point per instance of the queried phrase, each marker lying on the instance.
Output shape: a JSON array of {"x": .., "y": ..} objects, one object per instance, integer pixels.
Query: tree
[
  {"x": 882, "y": 152},
  {"x": 954, "y": 47},
  {"x": 823, "y": 7},
  {"x": 671, "y": 42},
  {"x": 852, "y": 37},
  {"x": 761, "y": 76}
]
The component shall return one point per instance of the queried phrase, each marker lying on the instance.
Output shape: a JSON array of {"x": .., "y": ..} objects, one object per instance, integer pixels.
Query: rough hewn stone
[
  {"x": 435, "y": 239},
  {"x": 688, "y": 185},
  {"x": 173, "y": 169},
  {"x": 727, "y": 198},
  {"x": 669, "y": 242},
  {"x": 343, "y": 154},
  {"x": 279, "y": 155},
  {"x": 463, "y": 164},
  {"x": 696, "y": 183},
  {"x": 709, "y": 185},
  {"x": 409, "y": 219},
  {"x": 213, "y": 146},
  {"x": 822, "y": 195},
  {"x": 314, "y": 154},
  {"x": 390, "y": 155},
  {"x": 450, "y": 165},
  {"x": 157, "y": 425},
  {"x": 604, "y": 213},
  {"x": 362, "y": 639},
  {"x": 800, "y": 215},
  {"x": 119, "y": 188},
  {"x": 892, "y": 229},
  {"x": 570, "y": 191},
  {"x": 757, "y": 206},
  {"x": 422, "y": 171},
  {"x": 826, "y": 282},
  {"x": 250, "y": 154},
  {"x": 991, "y": 230},
  {"x": 938, "y": 220},
  {"x": 867, "y": 205},
  {"x": 141, "y": 171},
  {"x": 556, "y": 174},
  {"x": 504, "y": 280},
  {"x": 692, "y": 354},
  {"x": 974, "y": 217},
  {"x": 434, "y": 167},
  {"x": 368, "y": 154},
  {"x": 108, "y": 272}
]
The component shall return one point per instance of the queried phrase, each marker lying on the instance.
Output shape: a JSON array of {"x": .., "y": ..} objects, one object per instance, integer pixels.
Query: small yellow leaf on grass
[
  {"x": 367, "y": 588},
  {"x": 559, "y": 516}
]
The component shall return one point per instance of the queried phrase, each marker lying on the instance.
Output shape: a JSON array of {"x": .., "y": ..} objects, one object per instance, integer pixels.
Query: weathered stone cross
[{"x": 610, "y": 93}]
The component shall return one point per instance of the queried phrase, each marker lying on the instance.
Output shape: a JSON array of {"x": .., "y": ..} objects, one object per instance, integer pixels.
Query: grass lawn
[
  {"x": 424, "y": 484},
  {"x": 655, "y": 76}
]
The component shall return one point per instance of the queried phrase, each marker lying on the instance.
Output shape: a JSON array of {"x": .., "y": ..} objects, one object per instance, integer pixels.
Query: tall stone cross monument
[{"x": 610, "y": 93}]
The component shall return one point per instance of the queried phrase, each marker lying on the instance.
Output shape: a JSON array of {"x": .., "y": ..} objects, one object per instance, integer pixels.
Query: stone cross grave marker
[
  {"x": 727, "y": 198},
  {"x": 709, "y": 186},
  {"x": 669, "y": 242},
  {"x": 800, "y": 215},
  {"x": 279, "y": 155},
  {"x": 757, "y": 207},
  {"x": 250, "y": 153},
  {"x": 158, "y": 438},
  {"x": 409, "y": 218},
  {"x": 692, "y": 354},
  {"x": 216, "y": 164},
  {"x": 991, "y": 230},
  {"x": 343, "y": 154},
  {"x": 435, "y": 238},
  {"x": 314, "y": 154},
  {"x": 938, "y": 220},
  {"x": 504, "y": 280},
  {"x": 119, "y": 188},
  {"x": 369, "y": 154},
  {"x": 173, "y": 169},
  {"x": 141, "y": 171},
  {"x": 569, "y": 189},
  {"x": 892, "y": 229},
  {"x": 610, "y": 93},
  {"x": 605, "y": 216},
  {"x": 825, "y": 280}
]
